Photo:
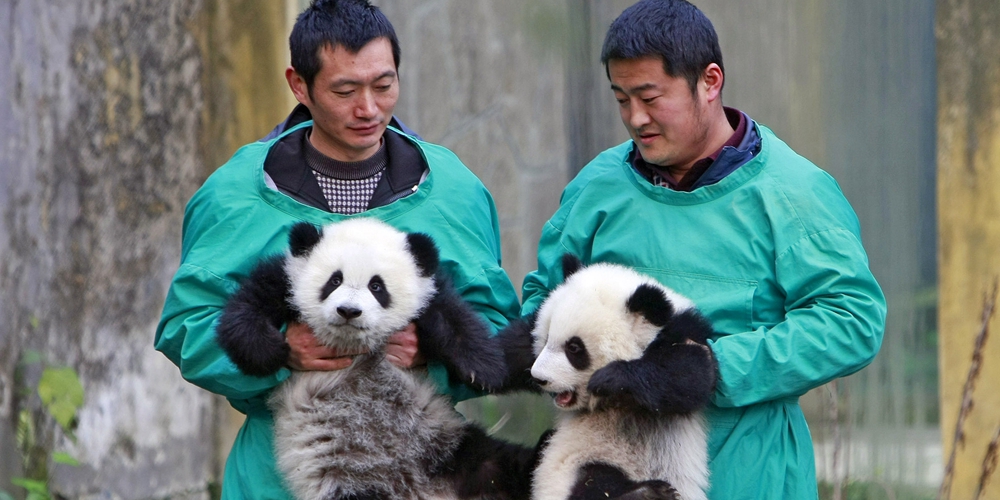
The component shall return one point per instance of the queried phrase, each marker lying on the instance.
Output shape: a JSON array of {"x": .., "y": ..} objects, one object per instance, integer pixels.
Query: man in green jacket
[
  {"x": 334, "y": 158},
  {"x": 715, "y": 206}
]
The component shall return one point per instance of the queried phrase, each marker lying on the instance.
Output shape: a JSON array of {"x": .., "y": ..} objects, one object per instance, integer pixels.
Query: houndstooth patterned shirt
[{"x": 347, "y": 186}]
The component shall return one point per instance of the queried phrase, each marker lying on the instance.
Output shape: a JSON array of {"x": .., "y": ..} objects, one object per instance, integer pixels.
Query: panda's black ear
[
  {"x": 425, "y": 252},
  {"x": 303, "y": 237},
  {"x": 652, "y": 303},
  {"x": 570, "y": 264}
]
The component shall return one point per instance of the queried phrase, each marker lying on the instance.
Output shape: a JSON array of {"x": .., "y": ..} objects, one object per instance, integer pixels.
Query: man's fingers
[
  {"x": 402, "y": 349},
  {"x": 328, "y": 364},
  {"x": 335, "y": 353},
  {"x": 395, "y": 360},
  {"x": 308, "y": 354},
  {"x": 405, "y": 337}
]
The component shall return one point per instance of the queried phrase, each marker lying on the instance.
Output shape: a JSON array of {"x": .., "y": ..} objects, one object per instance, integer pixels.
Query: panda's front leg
[
  {"x": 249, "y": 328},
  {"x": 601, "y": 481},
  {"x": 486, "y": 467},
  {"x": 450, "y": 332},
  {"x": 517, "y": 344},
  {"x": 675, "y": 375}
]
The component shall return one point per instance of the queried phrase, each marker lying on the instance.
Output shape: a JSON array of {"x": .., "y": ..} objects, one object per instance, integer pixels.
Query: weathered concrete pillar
[
  {"x": 968, "y": 37},
  {"x": 112, "y": 113}
]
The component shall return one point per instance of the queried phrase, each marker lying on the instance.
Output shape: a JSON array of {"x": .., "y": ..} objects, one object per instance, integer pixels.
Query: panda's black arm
[
  {"x": 517, "y": 344},
  {"x": 450, "y": 332},
  {"x": 601, "y": 481},
  {"x": 249, "y": 327},
  {"x": 486, "y": 467},
  {"x": 675, "y": 375}
]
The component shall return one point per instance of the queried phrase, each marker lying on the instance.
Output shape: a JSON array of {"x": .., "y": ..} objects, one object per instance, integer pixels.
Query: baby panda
[
  {"x": 627, "y": 362},
  {"x": 373, "y": 430}
]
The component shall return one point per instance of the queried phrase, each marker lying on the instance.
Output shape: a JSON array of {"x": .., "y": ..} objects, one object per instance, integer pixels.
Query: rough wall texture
[
  {"x": 106, "y": 133},
  {"x": 968, "y": 35},
  {"x": 485, "y": 79}
]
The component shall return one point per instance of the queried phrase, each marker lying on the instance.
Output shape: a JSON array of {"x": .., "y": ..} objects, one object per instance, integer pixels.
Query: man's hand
[
  {"x": 402, "y": 349},
  {"x": 307, "y": 354}
]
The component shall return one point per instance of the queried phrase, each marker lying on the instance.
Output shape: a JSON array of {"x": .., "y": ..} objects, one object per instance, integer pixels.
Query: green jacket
[
  {"x": 772, "y": 254},
  {"x": 235, "y": 219}
]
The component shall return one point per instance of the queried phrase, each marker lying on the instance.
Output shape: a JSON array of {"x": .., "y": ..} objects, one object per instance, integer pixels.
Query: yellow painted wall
[
  {"x": 244, "y": 45},
  {"x": 969, "y": 224}
]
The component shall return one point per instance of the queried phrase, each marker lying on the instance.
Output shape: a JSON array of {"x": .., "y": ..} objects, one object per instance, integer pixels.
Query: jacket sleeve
[
  {"x": 833, "y": 326},
  {"x": 481, "y": 279},
  {"x": 210, "y": 271},
  {"x": 186, "y": 335},
  {"x": 558, "y": 238},
  {"x": 538, "y": 283}
]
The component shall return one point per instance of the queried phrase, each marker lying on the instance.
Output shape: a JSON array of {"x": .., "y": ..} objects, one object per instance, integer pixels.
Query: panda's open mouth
[{"x": 565, "y": 399}]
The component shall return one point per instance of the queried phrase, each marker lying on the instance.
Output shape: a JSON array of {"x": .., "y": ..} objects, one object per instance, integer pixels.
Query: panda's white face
[
  {"x": 358, "y": 285},
  {"x": 585, "y": 324}
]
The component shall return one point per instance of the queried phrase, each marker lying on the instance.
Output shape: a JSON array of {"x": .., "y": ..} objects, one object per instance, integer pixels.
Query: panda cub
[
  {"x": 371, "y": 431},
  {"x": 626, "y": 361}
]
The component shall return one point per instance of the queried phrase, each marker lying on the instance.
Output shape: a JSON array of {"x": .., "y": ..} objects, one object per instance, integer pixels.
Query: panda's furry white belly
[
  {"x": 671, "y": 449},
  {"x": 371, "y": 426}
]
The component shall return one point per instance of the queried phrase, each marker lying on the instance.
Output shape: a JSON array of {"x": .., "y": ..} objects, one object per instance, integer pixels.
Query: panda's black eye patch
[
  {"x": 331, "y": 284},
  {"x": 377, "y": 287},
  {"x": 576, "y": 353}
]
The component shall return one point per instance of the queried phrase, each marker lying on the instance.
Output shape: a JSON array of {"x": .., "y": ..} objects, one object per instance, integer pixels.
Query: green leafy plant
[{"x": 61, "y": 395}]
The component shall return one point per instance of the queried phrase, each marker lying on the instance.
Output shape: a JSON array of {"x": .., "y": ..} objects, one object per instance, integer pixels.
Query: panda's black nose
[{"x": 348, "y": 312}]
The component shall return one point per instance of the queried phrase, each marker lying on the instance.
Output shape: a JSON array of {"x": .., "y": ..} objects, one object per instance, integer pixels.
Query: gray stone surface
[
  {"x": 486, "y": 79},
  {"x": 100, "y": 110}
]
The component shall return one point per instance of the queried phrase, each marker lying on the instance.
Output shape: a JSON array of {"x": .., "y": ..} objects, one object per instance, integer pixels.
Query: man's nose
[
  {"x": 638, "y": 117},
  {"x": 366, "y": 107}
]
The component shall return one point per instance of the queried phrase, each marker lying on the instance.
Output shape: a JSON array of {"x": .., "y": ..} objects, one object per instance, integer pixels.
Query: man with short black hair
[
  {"x": 715, "y": 206},
  {"x": 336, "y": 156}
]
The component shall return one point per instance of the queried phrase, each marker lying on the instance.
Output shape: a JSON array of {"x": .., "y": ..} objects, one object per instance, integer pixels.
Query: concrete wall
[
  {"x": 112, "y": 113},
  {"x": 486, "y": 79},
  {"x": 969, "y": 190}
]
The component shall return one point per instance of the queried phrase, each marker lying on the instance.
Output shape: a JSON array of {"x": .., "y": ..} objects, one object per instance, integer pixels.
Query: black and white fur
[
  {"x": 627, "y": 362},
  {"x": 372, "y": 431}
]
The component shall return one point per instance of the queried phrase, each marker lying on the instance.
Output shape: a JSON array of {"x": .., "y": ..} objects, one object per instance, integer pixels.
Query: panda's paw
[
  {"x": 601, "y": 481},
  {"x": 621, "y": 384},
  {"x": 516, "y": 343},
  {"x": 254, "y": 345},
  {"x": 484, "y": 372},
  {"x": 451, "y": 332},
  {"x": 651, "y": 490}
]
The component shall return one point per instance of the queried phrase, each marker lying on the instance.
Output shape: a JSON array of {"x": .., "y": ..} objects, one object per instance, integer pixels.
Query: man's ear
[
  {"x": 298, "y": 85},
  {"x": 711, "y": 82}
]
